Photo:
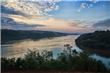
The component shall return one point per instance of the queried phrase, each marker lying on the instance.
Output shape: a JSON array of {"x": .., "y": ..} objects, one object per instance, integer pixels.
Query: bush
[{"x": 69, "y": 61}]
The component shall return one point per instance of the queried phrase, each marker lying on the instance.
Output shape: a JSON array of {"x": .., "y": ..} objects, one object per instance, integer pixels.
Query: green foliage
[{"x": 67, "y": 60}]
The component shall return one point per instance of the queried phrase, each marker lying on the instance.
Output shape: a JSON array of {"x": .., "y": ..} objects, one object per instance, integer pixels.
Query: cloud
[
  {"x": 31, "y": 7},
  {"x": 103, "y": 24},
  {"x": 80, "y": 24},
  {"x": 7, "y": 10},
  {"x": 86, "y": 4},
  {"x": 8, "y": 23},
  {"x": 51, "y": 24},
  {"x": 42, "y": 23}
]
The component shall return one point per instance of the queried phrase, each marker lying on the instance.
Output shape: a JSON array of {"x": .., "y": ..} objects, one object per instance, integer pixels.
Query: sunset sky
[{"x": 56, "y": 15}]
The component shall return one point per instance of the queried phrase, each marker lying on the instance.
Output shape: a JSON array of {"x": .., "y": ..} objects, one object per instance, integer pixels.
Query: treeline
[
  {"x": 8, "y": 36},
  {"x": 68, "y": 60},
  {"x": 96, "y": 40}
]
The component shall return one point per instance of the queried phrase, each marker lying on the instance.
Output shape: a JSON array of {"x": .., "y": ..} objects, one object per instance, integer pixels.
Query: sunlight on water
[
  {"x": 19, "y": 48},
  {"x": 56, "y": 45}
]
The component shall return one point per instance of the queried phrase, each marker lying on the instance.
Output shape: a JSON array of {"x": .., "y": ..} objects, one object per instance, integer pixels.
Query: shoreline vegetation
[
  {"x": 68, "y": 60},
  {"x": 97, "y": 42},
  {"x": 10, "y": 36}
]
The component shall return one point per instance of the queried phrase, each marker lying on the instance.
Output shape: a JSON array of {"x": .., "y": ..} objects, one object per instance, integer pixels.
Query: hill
[
  {"x": 98, "y": 41},
  {"x": 8, "y": 36}
]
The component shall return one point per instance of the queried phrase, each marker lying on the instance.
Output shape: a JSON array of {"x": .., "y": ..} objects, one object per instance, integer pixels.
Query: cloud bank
[
  {"x": 104, "y": 23},
  {"x": 31, "y": 7},
  {"x": 8, "y": 23}
]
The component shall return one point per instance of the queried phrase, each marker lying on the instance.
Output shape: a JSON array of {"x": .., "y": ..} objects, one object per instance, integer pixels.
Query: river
[{"x": 56, "y": 45}]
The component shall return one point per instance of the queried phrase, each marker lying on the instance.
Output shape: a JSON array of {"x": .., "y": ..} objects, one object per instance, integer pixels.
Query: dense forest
[
  {"x": 8, "y": 36},
  {"x": 98, "y": 41}
]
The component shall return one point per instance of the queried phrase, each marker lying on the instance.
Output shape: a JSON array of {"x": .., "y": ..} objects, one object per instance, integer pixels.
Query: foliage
[
  {"x": 68, "y": 60},
  {"x": 96, "y": 40}
]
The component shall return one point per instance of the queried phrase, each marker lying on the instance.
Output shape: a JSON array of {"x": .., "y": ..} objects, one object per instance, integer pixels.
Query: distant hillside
[
  {"x": 99, "y": 42},
  {"x": 8, "y": 36}
]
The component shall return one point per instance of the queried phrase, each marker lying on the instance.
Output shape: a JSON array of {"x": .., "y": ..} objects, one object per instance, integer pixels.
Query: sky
[{"x": 56, "y": 15}]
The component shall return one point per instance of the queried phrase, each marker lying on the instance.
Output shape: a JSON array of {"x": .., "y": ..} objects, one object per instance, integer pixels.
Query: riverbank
[
  {"x": 97, "y": 42},
  {"x": 68, "y": 60}
]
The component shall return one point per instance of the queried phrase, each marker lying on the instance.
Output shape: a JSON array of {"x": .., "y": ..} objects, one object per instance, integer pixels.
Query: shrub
[{"x": 44, "y": 61}]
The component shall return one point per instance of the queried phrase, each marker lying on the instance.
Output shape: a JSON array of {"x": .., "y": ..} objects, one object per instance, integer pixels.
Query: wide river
[{"x": 56, "y": 45}]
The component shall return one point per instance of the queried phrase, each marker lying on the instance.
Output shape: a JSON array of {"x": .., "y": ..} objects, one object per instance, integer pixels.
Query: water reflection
[
  {"x": 56, "y": 45},
  {"x": 20, "y": 47},
  {"x": 106, "y": 61}
]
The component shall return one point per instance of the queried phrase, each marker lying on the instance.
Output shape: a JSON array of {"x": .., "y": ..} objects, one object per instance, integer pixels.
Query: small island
[{"x": 96, "y": 42}]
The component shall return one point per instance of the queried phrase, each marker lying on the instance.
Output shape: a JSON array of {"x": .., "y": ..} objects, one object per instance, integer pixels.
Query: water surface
[{"x": 56, "y": 45}]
